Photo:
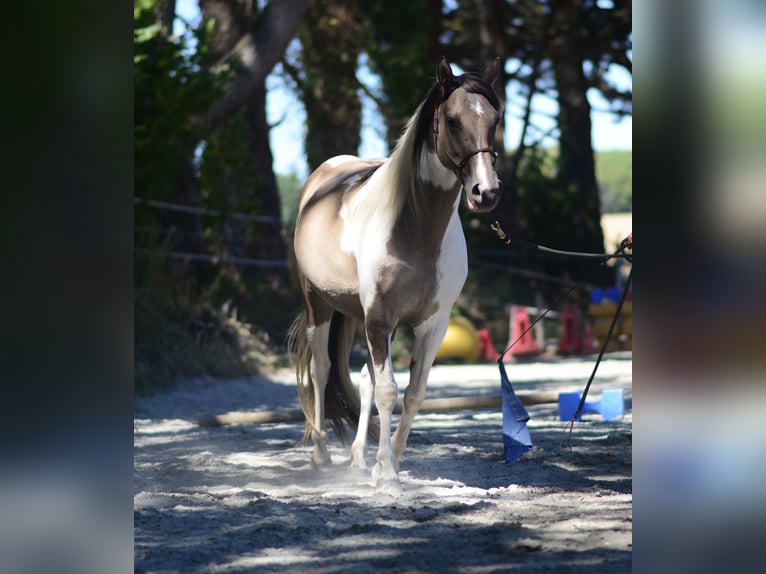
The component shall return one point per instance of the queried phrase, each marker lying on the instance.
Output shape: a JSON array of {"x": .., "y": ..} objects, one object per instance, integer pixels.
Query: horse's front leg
[
  {"x": 428, "y": 337},
  {"x": 379, "y": 343}
]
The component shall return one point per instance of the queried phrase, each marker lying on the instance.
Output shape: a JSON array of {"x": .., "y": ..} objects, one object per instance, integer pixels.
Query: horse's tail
[
  {"x": 341, "y": 398},
  {"x": 298, "y": 347}
]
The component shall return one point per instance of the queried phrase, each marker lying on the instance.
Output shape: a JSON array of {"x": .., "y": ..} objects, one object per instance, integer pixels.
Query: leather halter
[{"x": 462, "y": 163}]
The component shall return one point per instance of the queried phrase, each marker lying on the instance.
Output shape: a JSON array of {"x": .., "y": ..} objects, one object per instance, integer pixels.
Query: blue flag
[{"x": 516, "y": 439}]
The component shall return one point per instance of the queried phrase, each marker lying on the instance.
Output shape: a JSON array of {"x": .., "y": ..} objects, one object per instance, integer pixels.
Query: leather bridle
[{"x": 463, "y": 162}]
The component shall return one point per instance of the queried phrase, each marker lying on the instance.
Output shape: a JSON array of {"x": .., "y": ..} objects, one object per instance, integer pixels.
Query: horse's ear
[
  {"x": 444, "y": 73},
  {"x": 491, "y": 73}
]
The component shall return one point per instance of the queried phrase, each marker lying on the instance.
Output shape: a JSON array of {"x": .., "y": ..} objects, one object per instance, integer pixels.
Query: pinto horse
[{"x": 379, "y": 242}]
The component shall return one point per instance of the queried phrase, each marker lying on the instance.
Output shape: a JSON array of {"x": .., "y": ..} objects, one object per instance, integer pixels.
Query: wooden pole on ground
[{"x": 429, "y": 406}]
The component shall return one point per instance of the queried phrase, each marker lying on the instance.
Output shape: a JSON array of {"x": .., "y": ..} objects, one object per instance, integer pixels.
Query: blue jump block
[{"x": 610, "y": 406}]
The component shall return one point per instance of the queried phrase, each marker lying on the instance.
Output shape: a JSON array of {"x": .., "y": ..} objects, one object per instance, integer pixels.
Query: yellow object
[
  {"x": 602, "y": 309},
  {"x": 601, "y": 318},
  {"x": 460, "y": 341}
]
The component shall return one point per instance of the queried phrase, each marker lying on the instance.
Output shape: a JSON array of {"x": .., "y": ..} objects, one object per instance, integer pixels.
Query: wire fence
[
  {"x": 496, "y": 264},
  {"x": 203, "y": 211},
  {"x": 218, "y": 259},
  {"x": 206, "y": 257}
]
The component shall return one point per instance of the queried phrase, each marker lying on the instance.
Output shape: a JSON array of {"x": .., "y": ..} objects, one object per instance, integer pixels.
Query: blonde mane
[{"x": 377, "y": 205}]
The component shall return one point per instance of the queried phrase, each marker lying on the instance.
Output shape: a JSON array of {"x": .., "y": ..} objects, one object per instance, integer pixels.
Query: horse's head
[{"x": 464, "y": 130}]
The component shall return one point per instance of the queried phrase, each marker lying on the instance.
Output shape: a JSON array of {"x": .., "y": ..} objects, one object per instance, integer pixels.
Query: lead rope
[
  {"x": 505, "y": 238},
  {"x": 580, "y": 407},
  {"x": 605, "y": 257},
  {"x": 620, "y": 253},
  {"x": 538, "y": 319}
]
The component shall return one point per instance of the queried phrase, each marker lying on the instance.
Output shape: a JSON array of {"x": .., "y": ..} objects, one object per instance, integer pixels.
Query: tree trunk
[
  {"x": 491, "y": 15},
  {"x": 577, "y": 173},
  {"x": 258, "y": 51},
  {"x": 166, "y": 14},
  {"x": 404, "y": 50},
  {"x": 185, "y": 230},
  {"x": 266, "y": 241},
  {"x": 331, "y": 41},
  {"x": 231, "y": 23},
  {"x": 251, "y": 188}
]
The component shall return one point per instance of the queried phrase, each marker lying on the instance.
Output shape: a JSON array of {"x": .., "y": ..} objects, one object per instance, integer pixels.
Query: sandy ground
[{"x": 244, "y": 498}]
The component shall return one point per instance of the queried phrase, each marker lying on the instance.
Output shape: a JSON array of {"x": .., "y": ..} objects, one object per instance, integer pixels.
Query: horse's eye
[{"x": 452, "y": 123}]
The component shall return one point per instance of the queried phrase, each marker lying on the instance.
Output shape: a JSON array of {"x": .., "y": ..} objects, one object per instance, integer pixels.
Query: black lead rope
[
  {"x": 620, "y": 253},
  {"x": 580, "y": 407},
  {"x": 537, "y": 319},
  {"x": 605, "y": 257}
]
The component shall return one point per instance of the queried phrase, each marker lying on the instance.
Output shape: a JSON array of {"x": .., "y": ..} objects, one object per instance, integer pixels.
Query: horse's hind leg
[
  {"x": 428, "y": 337},
  {"x": 359, "y": 446},
  {"x": 318, "y": 336}
]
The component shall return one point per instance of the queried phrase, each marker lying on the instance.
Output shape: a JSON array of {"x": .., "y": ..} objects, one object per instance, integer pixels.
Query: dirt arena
[{"x": 243, "y": 498}]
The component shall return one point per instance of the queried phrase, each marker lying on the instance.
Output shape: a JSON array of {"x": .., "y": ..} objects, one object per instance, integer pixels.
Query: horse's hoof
[
  {"x": 390, "y": 487},
  {"x": 377, "y": 474},
  {"x": 321, "y": 463}
]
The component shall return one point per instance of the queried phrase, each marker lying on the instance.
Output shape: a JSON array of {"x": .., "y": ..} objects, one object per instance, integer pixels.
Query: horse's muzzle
[{"x": 482, "y": 199}]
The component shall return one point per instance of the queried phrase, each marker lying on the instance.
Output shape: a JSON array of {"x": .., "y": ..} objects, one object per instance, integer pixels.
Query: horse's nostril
[{"x": 475, "y": 191}]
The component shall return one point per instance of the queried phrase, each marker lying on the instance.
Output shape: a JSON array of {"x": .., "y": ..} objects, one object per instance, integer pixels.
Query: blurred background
[
  {"x": 237, "y": 101},
  {"x": 113, "y": 116}
]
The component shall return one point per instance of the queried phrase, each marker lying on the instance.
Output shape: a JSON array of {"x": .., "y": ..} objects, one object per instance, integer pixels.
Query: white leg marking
[
  {"x": 384, "y": 473},
  {"x": 359, "y": 446}
]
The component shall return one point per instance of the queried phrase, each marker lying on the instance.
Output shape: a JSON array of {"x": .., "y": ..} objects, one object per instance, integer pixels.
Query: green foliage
[
  {"x": 403, "y": 51},
  {"x": 183, "y": 325},
  {"x": 171, "y": 88},
  {"x": 544, "y": 205},
  {"x": 289, "y": 192},
  {"x": 226, "y": 178},
  {"x": 614, "y": 172}
]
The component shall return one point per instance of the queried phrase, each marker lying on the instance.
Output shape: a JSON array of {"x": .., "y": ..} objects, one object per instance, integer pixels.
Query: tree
[
  {"x": 576, "y": 169},
  {"x": 195, "y": 111},
  {"x": 171, "y": 87},
  {"x": 560, "y": 48},
  {"x": 516, "y": 33},
  {"x": 331, "y": 40},
  {"x": 404, "y": 49},
  {"x": 255, "y": 53},
  {"x": 236, "y": 165},
  {"x": 201, "y": 140},
  {"x": 583, "y": 37}
]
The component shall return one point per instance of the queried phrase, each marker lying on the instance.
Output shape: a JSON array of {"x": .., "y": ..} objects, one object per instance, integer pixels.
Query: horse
[{"x": 379, "y": 243}]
